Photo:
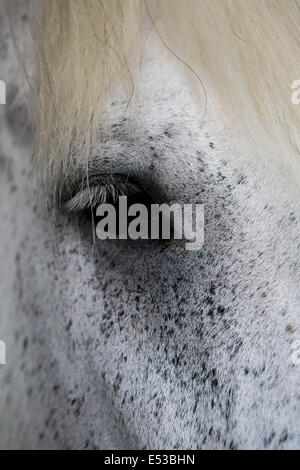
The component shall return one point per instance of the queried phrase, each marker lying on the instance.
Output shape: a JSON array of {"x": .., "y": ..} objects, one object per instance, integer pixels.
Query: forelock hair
[{"x": 246, "y": 50}]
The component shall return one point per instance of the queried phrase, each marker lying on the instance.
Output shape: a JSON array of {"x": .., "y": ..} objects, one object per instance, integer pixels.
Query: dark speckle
[
  {"x": 289, "y": 329},
  {"x": 268, "y": 440}
]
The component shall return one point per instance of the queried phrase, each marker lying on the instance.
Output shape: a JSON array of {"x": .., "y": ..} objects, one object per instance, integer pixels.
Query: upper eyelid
[{"x": 136, "y": 174}]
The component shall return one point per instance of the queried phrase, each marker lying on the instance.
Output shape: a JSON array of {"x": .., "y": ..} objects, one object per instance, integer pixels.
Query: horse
[{"x": 141, "y": 344}]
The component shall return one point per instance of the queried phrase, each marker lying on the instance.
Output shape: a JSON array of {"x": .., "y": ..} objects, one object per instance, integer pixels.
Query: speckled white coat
[{"x": 132, "y": 345}]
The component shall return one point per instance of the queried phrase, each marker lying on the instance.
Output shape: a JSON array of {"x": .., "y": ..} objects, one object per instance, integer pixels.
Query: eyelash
[{"x": 108, "y": 190}]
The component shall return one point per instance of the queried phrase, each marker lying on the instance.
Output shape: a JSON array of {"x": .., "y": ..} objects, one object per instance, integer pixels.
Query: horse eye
[
  {"x": 86, "y": 201},
  {"x": 91, "y": 192}
]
